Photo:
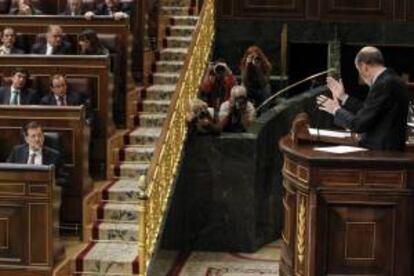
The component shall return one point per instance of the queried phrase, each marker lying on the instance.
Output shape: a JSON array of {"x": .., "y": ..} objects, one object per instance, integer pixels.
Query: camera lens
[{"x": 219, "y": 68}]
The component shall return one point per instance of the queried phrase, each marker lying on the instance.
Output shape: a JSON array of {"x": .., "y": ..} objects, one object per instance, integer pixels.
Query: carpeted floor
[{"x": 264, "y": 262}]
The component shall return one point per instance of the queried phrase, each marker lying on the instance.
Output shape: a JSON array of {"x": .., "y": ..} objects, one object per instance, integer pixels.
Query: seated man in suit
[
  {"x": 34, "y": 152},
  {"x": 73, "y": 8},
  {"x": 8, "y": 39},
  {"x": 24, "y": 7},
  {"x": 54, "y": 45},
  {"x": 61, "y": 96},
  {"x": 17, "y": 93},
  {"x": 112, "y": 8}
]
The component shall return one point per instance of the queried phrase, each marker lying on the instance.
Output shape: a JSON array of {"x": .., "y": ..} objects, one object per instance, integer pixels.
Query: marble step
[
  {"x": 117, "y": 212},
  {"x": 169, "y": 66},
  {"x": 184, "y": 31},
  {"x": 138, "y": 153},
  {"x": 184, "y": 20},
  {"x": 121, "y": 232},
  {"x": 173, "y": 54},
  {"x": 171, "y": 10},
  {"x": 124, "y": 190},
  {"x": 133, "y": 169},
  {"x": 165, "y": 78},
  {"x": 160, "y": 92},
  {"x": 152, "y": 119},
  {"x": 144, "y": 136},
  {"x": 106, "y": 258},
  {"x": 160, "y": 106},
  {"x": 178, "y": 3}
]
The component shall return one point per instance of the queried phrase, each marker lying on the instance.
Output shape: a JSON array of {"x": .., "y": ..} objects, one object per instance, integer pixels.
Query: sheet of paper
[
  {"x": 329, "y": 133},
  {"x": 340, "y": 149}
]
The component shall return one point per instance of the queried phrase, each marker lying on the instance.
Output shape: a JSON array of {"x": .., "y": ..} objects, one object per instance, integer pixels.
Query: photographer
[
  {"x": 237, "y": 113},
  {"x": 216, "y": 85},
  {"x": 200, "y": 120},
  {"x": 255, "y": 69}
]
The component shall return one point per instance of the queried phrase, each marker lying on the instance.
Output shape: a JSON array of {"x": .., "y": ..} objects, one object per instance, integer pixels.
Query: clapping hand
[
  {"x": 327, "y": 104},
  {"x": 336, "y": 87}
]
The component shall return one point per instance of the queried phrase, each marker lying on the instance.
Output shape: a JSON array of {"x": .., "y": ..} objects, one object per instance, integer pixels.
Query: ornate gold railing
[{"x": 162, "y": 172}]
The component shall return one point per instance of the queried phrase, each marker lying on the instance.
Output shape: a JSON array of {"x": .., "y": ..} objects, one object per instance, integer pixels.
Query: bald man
[
  {"x": 54, "y": 44},
  {"x": 237, "y": 113},
  {"x": 382, "y": 118}
]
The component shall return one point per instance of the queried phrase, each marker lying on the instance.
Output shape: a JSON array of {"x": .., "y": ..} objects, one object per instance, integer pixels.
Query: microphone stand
[{"x": 280, "y": 92}]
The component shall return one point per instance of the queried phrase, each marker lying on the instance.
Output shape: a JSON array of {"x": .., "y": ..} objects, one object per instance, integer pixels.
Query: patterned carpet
[{"x": 264, "y": 262}]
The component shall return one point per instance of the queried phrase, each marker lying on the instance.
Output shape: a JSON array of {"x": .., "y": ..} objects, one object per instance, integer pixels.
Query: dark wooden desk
[
  {"x": 29, "y": 237},
  {"x": 74, "y": 135},
  {"x": 347, "y": 214}
]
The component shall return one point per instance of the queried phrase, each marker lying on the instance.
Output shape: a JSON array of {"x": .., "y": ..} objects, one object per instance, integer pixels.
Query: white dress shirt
[
  {"x": 49, "y": 49},
  {"x": 38, "y": 158}
]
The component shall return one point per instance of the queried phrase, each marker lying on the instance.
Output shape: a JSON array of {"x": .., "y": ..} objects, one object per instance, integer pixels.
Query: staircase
[{"x": 113, "y": 246}]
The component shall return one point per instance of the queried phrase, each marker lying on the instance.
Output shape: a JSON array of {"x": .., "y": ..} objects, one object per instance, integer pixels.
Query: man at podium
[{"x": 382, "y": 118}]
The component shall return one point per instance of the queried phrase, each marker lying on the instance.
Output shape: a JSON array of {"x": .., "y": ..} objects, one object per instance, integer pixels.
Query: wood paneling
[
  {"x": 356, "y": 10},
  {"x": 28, "y": 242},
  {"x": 353, "y": 216},
  {"x": 338, "y": 10},
  {"x": 262, "y": 8}
]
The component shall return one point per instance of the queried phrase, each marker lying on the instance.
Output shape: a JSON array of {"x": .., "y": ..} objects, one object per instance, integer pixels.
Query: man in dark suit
[
  {"x": 8, "y": 39},
  {"x": 61, "y": 96},
  {"x": 24, "y": 7},
  {"x": 382, "y": 118},
  {"x": 73, "y": 8},
  {"x": 112, "y": 8},
  {"x": 18, "y": 93},
  {"x": 34, "y": 152},
  {"x": 54, "y": 45}
]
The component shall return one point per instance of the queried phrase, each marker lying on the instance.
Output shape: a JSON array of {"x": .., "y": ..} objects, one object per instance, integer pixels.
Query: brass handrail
[{"x": 162, "y": 171}]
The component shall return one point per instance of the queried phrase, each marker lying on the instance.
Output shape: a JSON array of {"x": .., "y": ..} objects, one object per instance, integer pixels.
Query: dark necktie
[
  {"x": 32, "y": 158},
  {"x": 61, "y": 101}
]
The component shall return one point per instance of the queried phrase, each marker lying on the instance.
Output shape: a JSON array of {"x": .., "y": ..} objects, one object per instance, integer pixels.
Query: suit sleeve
[
  {"x": 12, "y": 157},
  {"x": 353, "y": 104},
  {"x": 374, "y": 106}
]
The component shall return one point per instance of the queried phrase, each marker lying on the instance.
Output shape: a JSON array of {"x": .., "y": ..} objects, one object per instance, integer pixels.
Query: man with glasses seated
[
  {"x": 18, "y": 93},
  {"x": 54, "y": 44}
]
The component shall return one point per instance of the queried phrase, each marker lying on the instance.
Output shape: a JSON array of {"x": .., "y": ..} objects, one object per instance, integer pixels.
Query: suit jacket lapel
[{"x": 25, "y": 157}]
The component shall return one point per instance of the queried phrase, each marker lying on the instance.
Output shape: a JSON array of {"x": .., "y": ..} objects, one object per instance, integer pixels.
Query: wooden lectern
[{"x": 346, "y": 214}]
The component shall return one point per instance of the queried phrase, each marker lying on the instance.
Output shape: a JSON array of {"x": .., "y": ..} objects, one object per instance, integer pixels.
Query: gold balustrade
[{"x": 162, "y": 172}]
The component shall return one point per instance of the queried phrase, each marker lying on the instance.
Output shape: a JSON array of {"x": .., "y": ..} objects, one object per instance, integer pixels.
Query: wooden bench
[
  {"x": 29, "y": 208},
  {"x": 74, "y": 137},
  {"x": 72, "y": 26},
  {"x": 92, "y": 67}
]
